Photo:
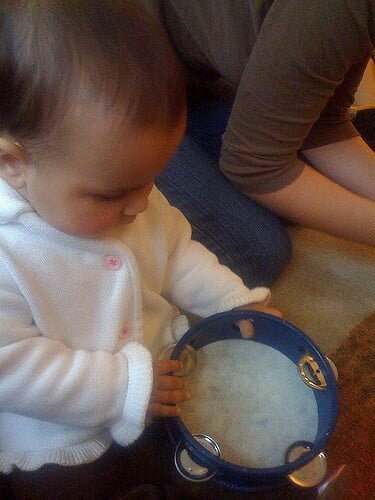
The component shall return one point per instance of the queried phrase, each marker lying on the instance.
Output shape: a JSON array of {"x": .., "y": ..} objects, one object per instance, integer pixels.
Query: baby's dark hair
[{"x": 56, "y": 52}]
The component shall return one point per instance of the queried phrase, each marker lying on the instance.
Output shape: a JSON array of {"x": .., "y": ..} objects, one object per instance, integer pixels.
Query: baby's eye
[{"x": 108, "y": 197}]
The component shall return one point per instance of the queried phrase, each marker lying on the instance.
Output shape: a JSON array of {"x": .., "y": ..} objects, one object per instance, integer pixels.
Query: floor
[{"x": 328, "y": 288}]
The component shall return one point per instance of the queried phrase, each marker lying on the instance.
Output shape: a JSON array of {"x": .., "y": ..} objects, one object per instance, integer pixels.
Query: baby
[{"x": 94, "y": 261}]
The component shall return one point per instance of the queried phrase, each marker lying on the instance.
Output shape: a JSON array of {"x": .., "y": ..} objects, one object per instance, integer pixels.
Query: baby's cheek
[
  {"x": 97, "y": 223},
  {"x": 89, "y": 224}
]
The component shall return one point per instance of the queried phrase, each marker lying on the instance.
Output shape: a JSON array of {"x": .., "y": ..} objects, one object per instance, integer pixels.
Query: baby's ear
[{"x": 13, "y": 163}]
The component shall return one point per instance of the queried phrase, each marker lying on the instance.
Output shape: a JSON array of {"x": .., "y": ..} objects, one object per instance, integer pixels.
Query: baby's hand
[
  {"x": 245, "y": 326},
  {"x": 167, "y": 389}
]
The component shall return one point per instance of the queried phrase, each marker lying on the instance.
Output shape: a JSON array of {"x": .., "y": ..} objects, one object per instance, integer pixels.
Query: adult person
[{"x": 292, "y": 68}]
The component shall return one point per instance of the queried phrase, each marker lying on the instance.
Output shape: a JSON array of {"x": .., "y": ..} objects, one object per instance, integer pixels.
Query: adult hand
[
  {"x": 167, "y": 389},
  {"x": 245, "y": 326}
]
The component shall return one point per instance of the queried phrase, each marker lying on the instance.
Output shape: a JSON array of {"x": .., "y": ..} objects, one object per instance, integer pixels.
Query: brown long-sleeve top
[{"x": 293, "y": 65}]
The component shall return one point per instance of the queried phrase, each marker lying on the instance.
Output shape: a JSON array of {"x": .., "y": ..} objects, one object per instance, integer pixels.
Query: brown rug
[{"x": 353, "y": 442}]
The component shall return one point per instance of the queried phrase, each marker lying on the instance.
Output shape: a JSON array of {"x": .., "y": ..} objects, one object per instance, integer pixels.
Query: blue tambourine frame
[{"x": 290, "y": 341}]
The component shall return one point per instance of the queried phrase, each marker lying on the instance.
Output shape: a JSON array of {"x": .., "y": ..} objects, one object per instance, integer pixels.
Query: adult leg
[
  {"x": 245, "y": 236},
  {"x": 5, "y": 487}
]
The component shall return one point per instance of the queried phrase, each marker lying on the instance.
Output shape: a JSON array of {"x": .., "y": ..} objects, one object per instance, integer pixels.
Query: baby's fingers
[
  {"x": 165, "y": 366},
  {"x": 246, "y": 328},
  {"x": 162, "y": 402},
  {"x": 168, "y": 382},
  {"x": 158, "y": 410},
  {"x": 168, "y": 397}
]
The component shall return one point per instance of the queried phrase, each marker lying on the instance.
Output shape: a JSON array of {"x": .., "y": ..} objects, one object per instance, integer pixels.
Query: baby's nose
[
  {"x": 136, "y": 207},
  {"x": 140, "y": 201}
]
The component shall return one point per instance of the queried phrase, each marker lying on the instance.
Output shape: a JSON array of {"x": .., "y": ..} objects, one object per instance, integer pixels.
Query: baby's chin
[
  {"x": 93, "y": 233},
  {"x": 87, "y": 231},
  {"x": 81, "y": 231},
  {"x": 127, "y": 219}
]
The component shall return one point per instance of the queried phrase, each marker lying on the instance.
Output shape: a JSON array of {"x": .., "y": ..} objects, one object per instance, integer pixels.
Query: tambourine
[{"x": 262, "y": 409}]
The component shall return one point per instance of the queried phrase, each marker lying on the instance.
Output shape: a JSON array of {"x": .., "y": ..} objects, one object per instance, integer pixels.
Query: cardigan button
[
  {"x": 112, "y": 262},
  {"x": 125, "y": 331}
]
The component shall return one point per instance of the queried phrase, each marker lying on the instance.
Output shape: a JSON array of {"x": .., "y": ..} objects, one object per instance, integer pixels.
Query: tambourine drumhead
[
  {"x": 268, "y": 403},
  {"x": 251, "y": 399}
]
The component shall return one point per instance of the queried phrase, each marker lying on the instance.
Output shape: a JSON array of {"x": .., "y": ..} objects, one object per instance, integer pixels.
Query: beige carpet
[{"x": 328, "y": 288}]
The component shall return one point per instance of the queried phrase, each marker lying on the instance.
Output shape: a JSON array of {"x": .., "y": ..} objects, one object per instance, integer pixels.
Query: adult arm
[
  {"x": 316, "y": 201},
  {"x": 295, "y": 95},
  {"x": 350, "y": 163}
]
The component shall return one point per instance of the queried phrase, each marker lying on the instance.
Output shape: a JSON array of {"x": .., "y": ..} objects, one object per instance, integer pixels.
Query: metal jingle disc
[
  {"x": 310, "y": 474},
  {"x": 310, "y": 373},
  {"x": 333, "y": 367},
  {"x": 188, "y": 357},
  {"x": 191, "y": 470}
]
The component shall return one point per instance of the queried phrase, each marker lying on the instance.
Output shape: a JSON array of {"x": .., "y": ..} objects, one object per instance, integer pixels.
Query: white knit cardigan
[{"x": 80, "y": 320}]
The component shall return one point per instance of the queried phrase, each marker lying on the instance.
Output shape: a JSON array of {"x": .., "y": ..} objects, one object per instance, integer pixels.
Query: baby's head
[{"x": 92, "y": 108}]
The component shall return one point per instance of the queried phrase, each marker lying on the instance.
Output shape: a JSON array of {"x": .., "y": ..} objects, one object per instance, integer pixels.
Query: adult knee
[
  {"x": 262, "y": 266},
  {"x": 278, "y": 255}
]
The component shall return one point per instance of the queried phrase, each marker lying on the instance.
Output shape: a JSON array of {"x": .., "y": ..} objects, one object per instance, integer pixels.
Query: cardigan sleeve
[
  {"x": 44, "y": 379},
  {"x": 195, "y": 281}
]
